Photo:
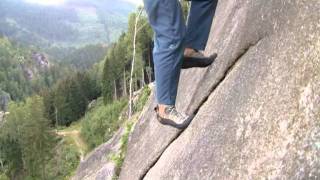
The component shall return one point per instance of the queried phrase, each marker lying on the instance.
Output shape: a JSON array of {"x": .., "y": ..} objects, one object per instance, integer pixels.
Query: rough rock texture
[
  {"x": 257, "y": 108},
  {"x": 97, "y": 165}
]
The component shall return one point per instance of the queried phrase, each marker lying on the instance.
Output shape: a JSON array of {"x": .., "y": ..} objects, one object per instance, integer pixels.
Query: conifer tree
[{"x": 26, "y": 140}]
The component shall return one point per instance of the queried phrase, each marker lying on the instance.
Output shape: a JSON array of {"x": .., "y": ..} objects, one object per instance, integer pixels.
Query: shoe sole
[
  {"x": 190, "y": 62},
  {"x": 169, "y": 122}
]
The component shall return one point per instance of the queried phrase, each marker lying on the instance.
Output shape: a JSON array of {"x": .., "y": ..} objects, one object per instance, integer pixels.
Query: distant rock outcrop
[
  {"x": 39, "y": 63},
  {"x": 40, "y": 59},
  {"x": 4, "y": 100},
  {"x": 257, "y": 108}
]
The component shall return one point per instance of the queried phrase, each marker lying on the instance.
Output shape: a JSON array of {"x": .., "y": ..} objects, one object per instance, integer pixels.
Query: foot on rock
[
  {"x": 173, "y": 118},
  {"x": 197, "y": 59}
]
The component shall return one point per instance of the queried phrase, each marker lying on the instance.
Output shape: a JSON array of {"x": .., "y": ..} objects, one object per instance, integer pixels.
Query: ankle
[
  {"x": 188, "y": 51},
  {"x": 162, "y": 108}
]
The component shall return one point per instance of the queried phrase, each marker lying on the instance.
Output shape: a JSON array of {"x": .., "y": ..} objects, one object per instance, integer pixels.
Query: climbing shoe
[
  {"x": 173, "y": 118},
  {"x": 197, "y": 59}
]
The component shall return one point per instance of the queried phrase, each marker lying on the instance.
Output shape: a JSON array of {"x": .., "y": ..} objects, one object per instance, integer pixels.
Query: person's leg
[
  {"x": 166, "y": 19},
  {"x": 199, "y": 23}
]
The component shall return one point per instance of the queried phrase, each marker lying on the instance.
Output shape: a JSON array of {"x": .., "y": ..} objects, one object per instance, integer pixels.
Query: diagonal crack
[
  {"x": 156, "y": 160},
  {"x": 227, "y": 72},
  {"x": 204, "y": 100}
]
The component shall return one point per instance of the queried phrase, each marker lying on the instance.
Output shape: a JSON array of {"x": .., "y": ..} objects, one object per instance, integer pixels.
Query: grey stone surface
[
  {"x": 149, "y": 138},
  {"x": 97, "y": 165},
  {"x": 257, "y": 107}
]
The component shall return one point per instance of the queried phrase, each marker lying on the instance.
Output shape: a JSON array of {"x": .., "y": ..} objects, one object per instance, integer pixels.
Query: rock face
[
  {"x": 257, "y": 108},
  {"x": 98, "y": 165},
  {"x": 40, "y": 59}
]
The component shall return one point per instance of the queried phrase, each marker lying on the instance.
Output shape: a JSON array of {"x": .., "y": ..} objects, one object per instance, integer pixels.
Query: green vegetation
[
  {"x": 26, "y": 140},
  {"x": 100, "y": 123},
  {"x": 68, "y": 99},
  {"x": 117, "y": 64},
  {"x": 3, "y": 177},
  {"x": 143, "y": 97},
  {"x": 40, "y": 138},
  {"x": 65, "y": 161},
  {"x": 70, "y": 25},
  {"x": 29, "y": 148},
  {"x": 185, "y": 9},
  {"x": 81, "y": 58},
  {"x": 119, "y": 157},
  {"x": 72, "y": 134},
  {"x": 21, "y": 75}
]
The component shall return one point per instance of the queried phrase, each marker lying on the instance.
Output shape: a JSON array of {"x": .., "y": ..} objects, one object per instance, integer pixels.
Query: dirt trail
[{"x": 75, "y": 135}]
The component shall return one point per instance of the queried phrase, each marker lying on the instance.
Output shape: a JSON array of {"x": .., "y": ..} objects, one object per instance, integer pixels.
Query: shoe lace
[{"x": 173, "y": 110}]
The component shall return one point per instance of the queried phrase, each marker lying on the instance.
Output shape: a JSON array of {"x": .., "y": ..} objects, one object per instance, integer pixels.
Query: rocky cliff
[
  {"x": 257, "y": 108},
  {"x": 104, "y": 162},
  {"x": 98, "y": 164}
]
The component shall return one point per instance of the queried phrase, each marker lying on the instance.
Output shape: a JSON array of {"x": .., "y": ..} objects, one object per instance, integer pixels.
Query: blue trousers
[{"x": 172, "y": 36}]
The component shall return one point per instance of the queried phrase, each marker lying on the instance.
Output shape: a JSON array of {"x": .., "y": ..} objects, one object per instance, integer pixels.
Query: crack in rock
[{"x": 227, "y": 72}]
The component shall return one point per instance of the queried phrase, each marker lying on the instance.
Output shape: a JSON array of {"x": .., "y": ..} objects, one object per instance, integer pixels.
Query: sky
[
  {"x": 138, "y": 2},
  {"x": 61, "y": 2},
  {"x": 47, "y": 2}
]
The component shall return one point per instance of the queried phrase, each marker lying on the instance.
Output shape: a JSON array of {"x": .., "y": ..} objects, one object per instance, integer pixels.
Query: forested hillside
[
  {"x": 75, "y": 23},
  {"x": 80, "y": 58},
  {"x": 67, "y": 73},
  {"x": 24, "y": 72},
  {"x": 44, "y": 94},
  {"x": 29, "y": 146},
  {"x": 64, "y": 84}
]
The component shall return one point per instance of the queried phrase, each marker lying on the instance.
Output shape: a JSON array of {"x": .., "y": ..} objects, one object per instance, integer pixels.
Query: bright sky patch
[{"x": 47, "y": 2}]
